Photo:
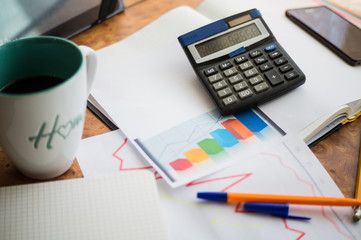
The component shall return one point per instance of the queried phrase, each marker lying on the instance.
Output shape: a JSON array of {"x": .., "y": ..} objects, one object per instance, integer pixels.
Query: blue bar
[
  {"x": 251, "y": 120},
  {"x": 224, "y": 138}
]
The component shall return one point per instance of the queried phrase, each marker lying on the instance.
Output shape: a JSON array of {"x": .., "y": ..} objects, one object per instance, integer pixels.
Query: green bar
[{"x": 210, "y": 146}]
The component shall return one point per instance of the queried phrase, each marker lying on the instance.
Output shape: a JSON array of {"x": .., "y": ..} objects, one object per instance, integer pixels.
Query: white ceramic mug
[{"x": 40, "y": 130}]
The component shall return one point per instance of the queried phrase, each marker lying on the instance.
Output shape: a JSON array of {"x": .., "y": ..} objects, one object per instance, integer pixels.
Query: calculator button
[
  {"x": 275, "y": 54},
  {"x": 255, "y": 80},
  {"x": 215, "y": 78},
  {"x": 280, "y": 61},
  {"x": 273, "y": 77},
  {"x": 230, "y": 71},
  {"x": 224, "y": 92},
  {"x": 220, "y": 85},
  {"x": 235, "y": 79},
  {"x": 210, "y": 71},
  {"x": 245, "y": 66},
  {"x": 261, "y": 87},
  {"x": 260, "y": 60},
  {"x": 255, "y": 53},
  {"x": 286, "y": 68},
  {"x": 225, "y": 65},
  {"x": 240, "y": 86},
  {"x": 291, "y": 75},
  {"x": 230, "y": 100},
  {"x": 270, "y": 47},
  {"x": 265, "y": 67},
  {"x": 240, "y": 59},
  {"x": 245, "y": 93},
  {"x": 250, "y": 73}
]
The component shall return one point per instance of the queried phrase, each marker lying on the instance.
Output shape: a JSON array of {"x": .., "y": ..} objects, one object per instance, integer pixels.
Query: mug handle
[{"x": 91, "y": 65}]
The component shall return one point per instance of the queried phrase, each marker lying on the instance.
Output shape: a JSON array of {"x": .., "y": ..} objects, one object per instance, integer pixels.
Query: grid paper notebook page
[{"x": 123, "y": 206}]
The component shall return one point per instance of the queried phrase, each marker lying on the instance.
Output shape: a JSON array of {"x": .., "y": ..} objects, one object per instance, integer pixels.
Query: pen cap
[
  {"x": 214, "y": 196},
  {"x": 278, "y": 209}
]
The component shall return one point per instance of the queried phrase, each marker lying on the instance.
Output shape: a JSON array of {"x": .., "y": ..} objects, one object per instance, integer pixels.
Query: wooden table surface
[{"x": 338, "y": 153}]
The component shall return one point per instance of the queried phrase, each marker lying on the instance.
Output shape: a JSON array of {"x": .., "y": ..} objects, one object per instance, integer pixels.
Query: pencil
[
  {"x": 293, "y": 199},
  {"x": 357, "y": 210}
]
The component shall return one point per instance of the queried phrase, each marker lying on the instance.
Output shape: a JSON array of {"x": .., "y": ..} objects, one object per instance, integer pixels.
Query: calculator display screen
[{"x": 229, "y": 39}]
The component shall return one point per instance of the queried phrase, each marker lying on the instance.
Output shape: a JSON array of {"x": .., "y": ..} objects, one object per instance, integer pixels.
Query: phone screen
[{"x": 333, "y": 28}]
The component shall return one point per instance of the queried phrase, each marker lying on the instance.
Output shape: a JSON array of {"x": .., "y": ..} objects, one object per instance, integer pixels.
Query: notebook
[{"x": 123, "y": 206}]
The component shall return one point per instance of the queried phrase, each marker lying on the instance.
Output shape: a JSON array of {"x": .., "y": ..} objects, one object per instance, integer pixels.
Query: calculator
[{"x": 240, "y": 62}]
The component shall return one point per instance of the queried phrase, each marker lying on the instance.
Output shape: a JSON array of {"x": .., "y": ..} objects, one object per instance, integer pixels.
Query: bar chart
[{"x": 208, "y": 141}]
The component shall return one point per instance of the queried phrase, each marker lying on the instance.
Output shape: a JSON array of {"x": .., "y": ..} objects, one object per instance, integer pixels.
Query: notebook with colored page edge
[
  {"x": 330, "y": 122},
  {"x": 123, "y": 206}
]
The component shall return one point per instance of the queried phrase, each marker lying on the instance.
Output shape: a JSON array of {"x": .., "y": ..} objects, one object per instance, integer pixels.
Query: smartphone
[{"x": 335, "y": 32}]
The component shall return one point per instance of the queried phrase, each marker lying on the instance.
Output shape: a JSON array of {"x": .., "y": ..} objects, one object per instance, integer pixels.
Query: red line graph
[
  {"x": 302, "y": 234},
  {"x": 238, "y": 179},
  {"x": 312, "y": 187},
  {"x": 334, "y": 224},
  {"x": 121, "y": 168}
]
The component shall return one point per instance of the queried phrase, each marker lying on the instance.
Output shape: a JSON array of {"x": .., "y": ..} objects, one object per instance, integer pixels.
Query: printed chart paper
[
  {"x": 207, "y": 143},
  {"x": 285, "y": 167}
]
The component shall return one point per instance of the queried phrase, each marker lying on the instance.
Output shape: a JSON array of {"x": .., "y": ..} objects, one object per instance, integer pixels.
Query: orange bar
[
  {"x": 237, "y": 129},
  {"x": 196, "y": 155},
  {"x": 332, "y": 201}
]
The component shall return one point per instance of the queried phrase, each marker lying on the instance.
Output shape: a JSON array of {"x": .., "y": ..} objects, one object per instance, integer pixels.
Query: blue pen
[
  {"x": 274, "y": 209},
  {"x": 277, "y": 209}
]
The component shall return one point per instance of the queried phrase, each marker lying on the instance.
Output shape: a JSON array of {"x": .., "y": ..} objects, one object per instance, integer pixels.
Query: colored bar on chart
[
  {"x": 180, "y": 164},
  {"x": 224, "y": 138},
  {"x": 251, "y": 120},
  {"x": 196, "y": 155},
  {"x": 237, "y": 129},
  {"x": 210, "y": 146}
]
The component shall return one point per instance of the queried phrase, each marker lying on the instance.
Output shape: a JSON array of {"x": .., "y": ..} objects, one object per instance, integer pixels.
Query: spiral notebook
[{"x": 123, "y": 206}]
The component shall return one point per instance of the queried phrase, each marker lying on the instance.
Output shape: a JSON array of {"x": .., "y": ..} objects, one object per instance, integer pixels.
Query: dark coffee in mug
[{"x": 31, "y": 84}]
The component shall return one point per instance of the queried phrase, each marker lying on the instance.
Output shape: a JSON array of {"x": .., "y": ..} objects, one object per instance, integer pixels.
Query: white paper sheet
[
  {"x": 154, "y": 94},
  {"x": 146, "y": 84},
  {"x": 287, "y": 167}
]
